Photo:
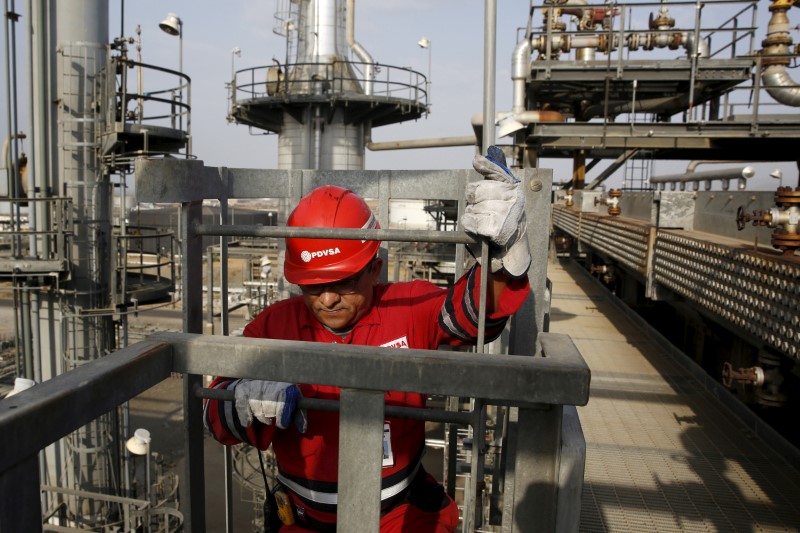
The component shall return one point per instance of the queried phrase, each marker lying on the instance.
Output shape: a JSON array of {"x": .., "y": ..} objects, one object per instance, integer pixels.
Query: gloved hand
[
  {"x": 268, "y": 402},
  {"x": 496, "y": 211}
]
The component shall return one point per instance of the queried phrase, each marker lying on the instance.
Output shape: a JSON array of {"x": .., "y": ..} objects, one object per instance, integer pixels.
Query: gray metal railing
[
  {"x": 53, "y": 242},
  {"x": 340, "y": 78},
  {"x": 537, "y": 386},
  {"x": 543, "y": 453}
]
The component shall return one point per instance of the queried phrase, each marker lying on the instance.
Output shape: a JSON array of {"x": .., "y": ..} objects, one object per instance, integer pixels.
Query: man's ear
[{"x": 377, "y": 265}]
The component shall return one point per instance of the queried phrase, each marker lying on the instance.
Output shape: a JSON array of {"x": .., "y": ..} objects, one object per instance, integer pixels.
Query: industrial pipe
[
  {"x": 360, "y": 51},
  {"x": 725, "y": 174},
  {"x": 441, "y": 142},
  {"x": 585, "y": 45},
  {"x": 776, "y": 80},
  {"x": 520, "y": 66}
]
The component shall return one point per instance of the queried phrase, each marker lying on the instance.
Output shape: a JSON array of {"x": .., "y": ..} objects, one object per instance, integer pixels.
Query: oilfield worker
[{"x": 343, "y": 302}]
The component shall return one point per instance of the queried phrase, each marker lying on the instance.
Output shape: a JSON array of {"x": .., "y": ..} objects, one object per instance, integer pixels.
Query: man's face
[{"x": 340, "y": 305}]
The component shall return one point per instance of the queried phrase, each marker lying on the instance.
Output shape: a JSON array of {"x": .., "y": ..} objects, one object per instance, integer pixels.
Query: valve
[
  {"x": 772, "y": 393},
  {"x": 606, "y": 273},
  {"x": 785, "y": 218},
  {"x": 767, "y": 377},
  {"x": 612, "y": 202},
  {"x": 746, "y": 376}
]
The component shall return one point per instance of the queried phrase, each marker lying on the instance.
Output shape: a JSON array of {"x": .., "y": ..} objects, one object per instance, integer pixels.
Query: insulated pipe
[
  {"x": 441, "y": 142},
  {"x": 520, "y": 65},
  {"x": 780, "y": 85},
  {"x": 663, "y": 104},
  {"x": 360, "y": 51},
  {"x": 725, "y": 174},
  {"x": 776, "y": 80},
  {"x": 720, "y": 174},
  {"x": 697, "y": 49}
]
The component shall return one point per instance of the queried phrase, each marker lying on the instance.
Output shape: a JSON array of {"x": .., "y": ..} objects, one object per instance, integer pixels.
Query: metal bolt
[{"x": 536, "y": 185}]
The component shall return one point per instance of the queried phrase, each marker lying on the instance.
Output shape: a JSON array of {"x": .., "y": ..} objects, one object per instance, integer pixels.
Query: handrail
[
  {"x": 339, "y": 76},
  {"x": 534, "y": 430},
  {"x": 559, "y": 380},
  {"x": 54, "y": 243},
  {"x": 34, "y": 418}
]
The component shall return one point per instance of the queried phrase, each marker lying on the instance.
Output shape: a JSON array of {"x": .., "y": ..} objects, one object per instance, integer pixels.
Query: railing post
[
  {"x": 361, "y": 434},
  {"x": 21, "y": 509},
  {"x": 192, "y": 281},
  {"x": 538, "y": 449}
]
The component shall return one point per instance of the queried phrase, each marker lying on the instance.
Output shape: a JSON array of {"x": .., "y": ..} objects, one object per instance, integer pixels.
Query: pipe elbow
[
  {"x": 520, "y": 60},
  {"x": 696, "y": 47},
  {"x": 780, "y": 85}
]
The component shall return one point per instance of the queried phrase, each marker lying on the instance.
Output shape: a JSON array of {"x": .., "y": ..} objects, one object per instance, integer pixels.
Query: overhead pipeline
[{"x": 776, "y": 57}]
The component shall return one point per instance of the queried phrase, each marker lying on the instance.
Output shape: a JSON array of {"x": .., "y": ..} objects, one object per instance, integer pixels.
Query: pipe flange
[
  {"x": 777, "y": 39},
  {"x": 769, "y": 60},
  {"x": 615, "y": 193},
  {"x": 781, "y": 5},
  {"x": 675, "y": 41},
  {"x": 786, "y": 197},
  {"x": 784, "y": 240},
  {"x": 614, "y": 211},
  {"x": 769, "y": 399},
  {"x": 602, "y": 43}
]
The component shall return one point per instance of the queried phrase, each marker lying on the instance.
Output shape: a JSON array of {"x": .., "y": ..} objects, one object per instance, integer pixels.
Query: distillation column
[
  {"x": 74, "y": 325},
  {"x": 322, "y": 104}
]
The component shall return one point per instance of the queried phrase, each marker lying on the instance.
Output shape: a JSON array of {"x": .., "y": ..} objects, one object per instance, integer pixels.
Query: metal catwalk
[{"x": 662, "y": 452}]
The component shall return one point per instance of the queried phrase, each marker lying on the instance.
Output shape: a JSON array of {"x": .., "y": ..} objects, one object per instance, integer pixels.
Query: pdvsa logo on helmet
[{"x": 307, "y": 256}]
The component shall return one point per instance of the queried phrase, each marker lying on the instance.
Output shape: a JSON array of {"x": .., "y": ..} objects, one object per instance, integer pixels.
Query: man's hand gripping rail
[{"x": 495, "y": 210}]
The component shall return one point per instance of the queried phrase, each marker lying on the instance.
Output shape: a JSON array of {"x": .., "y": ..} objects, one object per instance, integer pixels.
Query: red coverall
[{"x": 417, "y": 315}]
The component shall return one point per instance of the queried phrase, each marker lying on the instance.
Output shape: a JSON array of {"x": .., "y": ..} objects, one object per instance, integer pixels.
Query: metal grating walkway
[{"x": 663, "y": 454}]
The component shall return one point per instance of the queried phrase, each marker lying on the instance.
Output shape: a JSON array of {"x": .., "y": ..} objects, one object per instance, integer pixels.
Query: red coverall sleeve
[{"x": 458, "y": 317}]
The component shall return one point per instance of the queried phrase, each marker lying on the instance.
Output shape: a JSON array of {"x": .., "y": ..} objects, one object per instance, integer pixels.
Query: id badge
[{"x": 388, "y": 457}]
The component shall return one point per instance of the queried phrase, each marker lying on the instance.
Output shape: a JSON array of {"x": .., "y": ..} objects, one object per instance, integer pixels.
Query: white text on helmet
[{"x": 307, "y": 256}]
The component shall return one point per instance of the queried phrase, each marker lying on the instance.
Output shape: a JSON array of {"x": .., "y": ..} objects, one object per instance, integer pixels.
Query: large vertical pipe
[
  {"x": 489, "y": 73},
  {"x": 13, "y": 133},
  {"x": 74, "y": 58},
  {"x": 322, "y": 52}
]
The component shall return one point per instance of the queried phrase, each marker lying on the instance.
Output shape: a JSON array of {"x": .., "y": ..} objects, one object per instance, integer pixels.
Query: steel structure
[
  {"x": 190, "y": 182},
  {"x": 626, "y": 82},
  {"x": 322, "y": 104},
  {"x": 538, "y": 489},
  {"x": 74, "y": 268},
  {"x": 70, "y": 400}
]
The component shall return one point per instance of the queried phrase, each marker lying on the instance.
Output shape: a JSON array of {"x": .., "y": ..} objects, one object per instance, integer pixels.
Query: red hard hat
[{"x": 310, "y": 261}]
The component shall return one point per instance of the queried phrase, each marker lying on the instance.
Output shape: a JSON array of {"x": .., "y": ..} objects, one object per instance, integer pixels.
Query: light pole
[
  {"x": 139, "y": 444},
  {"x": 173, "y": 25},
  {"x": 778, "y": 175},
  {"x": 426, "y": 44},
  {"x": 236, "y": 52}
]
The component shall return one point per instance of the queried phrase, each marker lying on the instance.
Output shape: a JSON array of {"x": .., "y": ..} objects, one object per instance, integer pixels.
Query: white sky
[{"x": 388, "y": 30}]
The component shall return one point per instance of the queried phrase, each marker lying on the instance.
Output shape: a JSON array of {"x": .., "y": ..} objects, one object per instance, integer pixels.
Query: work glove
[
  {"x": 495, "y": 210},
  {"x": 268, "y": 402}
]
